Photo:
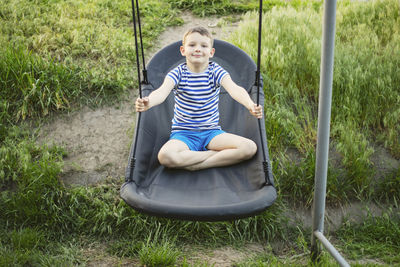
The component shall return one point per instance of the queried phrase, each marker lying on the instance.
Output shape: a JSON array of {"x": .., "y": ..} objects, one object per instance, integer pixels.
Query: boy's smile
[{"x": 198, "y": 50}]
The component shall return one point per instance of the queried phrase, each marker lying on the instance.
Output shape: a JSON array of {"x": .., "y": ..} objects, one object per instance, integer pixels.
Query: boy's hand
[
  {"x": 142, "y": 104},
  {"x": 256, "y": 110}
]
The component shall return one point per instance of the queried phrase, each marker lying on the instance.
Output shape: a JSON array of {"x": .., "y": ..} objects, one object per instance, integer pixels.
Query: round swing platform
[{"x": 214, "y": 194}]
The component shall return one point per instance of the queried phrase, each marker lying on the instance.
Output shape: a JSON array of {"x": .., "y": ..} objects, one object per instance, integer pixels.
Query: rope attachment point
[{"x": 266, "y": 172}]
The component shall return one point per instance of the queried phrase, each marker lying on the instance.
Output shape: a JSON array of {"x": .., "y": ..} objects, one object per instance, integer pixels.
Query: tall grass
[
  {"x": 225, "y": 7},
  {"x": 32, "y": 86},
  {"x": 366, "y": 92},
  {"x": 370, "y": 93},
  {"x": 53, "y": 52}
]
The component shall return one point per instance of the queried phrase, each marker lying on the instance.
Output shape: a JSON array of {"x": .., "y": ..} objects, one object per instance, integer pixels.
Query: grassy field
[
  {"x": 365, "y": 109},
  {"x": 61, "y": 55}
]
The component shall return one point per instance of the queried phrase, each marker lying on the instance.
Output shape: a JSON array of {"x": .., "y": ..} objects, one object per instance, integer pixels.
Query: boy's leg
[
  {"x": 230, "y": 149},
  {"x": 176, "y": 154}
]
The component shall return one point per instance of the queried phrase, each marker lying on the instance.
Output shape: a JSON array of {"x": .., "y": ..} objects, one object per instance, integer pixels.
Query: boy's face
[{"x": 197, "y": 49}]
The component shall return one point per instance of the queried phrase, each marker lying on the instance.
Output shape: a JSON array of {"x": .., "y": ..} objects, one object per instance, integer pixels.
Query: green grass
[
  {"x": 376, "y": 237},
  {"x": 33, "y": 86},
  {"x": 32, "y": 247},
  {"x": 365, "y": 103},
  {"x": 389, "y": 189},
  {"x": 297, "y": 254},
  {"x": 227, "y": 7},
  {"x": 158, "y": 251},
  {"x": 56, "y": 54}
]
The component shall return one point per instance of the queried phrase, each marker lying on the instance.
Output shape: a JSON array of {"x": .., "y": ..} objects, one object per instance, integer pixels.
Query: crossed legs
[{"x": 224, "y": 149}]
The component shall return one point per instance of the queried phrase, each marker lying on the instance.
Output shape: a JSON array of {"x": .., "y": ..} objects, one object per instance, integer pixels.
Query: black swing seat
[{"x": 214, "y": 194}]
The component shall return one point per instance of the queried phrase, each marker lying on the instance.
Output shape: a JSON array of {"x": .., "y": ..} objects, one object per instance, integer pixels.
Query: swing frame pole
[{"x": 324, "y": 117}]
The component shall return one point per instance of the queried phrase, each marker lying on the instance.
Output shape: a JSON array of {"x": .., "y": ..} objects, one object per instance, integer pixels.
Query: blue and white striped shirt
[{"x": 196, "y": 97}]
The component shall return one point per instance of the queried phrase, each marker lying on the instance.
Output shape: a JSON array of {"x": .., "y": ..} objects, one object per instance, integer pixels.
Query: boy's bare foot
[
  {"x": 200, "y": 165},
  {"x": 191, "y": 168}
]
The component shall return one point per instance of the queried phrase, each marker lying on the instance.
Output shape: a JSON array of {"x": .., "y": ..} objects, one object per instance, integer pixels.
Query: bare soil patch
[
  {"x": 223, "y": 256},
  {"x": 97, "y": 142}
]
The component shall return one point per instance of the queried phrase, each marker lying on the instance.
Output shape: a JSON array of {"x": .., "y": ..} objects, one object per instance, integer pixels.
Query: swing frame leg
[{"x": 324, "y": 117}]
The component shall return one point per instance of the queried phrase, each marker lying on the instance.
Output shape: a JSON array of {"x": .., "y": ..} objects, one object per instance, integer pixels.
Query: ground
[{"x": 98, "y": 142}]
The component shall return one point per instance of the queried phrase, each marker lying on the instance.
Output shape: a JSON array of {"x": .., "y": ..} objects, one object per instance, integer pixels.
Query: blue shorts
[{"x": 196, "y": 140}]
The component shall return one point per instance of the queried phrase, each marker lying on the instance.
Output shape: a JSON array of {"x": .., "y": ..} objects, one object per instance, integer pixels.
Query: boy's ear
[
  {"x": 212, "y": 52},
  {"x": 182, "y": 49}
]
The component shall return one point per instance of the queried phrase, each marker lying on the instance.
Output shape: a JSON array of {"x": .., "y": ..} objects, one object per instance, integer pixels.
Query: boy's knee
[
  {"x": 249, "y": 149},
  {"x": 167, "y": 159}
]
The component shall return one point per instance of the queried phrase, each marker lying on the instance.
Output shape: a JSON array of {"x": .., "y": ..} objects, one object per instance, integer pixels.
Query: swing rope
[
  {"x": 133, "y": 158},
  {"x": 137, "y": 48},
  {"x": 144, "y": 71},
  {"x": 258, "y": 71},
  {"x": 258, "y": 84}
]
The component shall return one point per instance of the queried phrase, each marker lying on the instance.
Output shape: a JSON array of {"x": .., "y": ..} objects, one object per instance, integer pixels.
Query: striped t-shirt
[{"x": 196, "y": 97}]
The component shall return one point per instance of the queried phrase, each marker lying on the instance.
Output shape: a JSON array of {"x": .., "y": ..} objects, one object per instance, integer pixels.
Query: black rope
[
  {"x": 137, "y": 49},
  {"x": 133, "y": 156},
  {"x": 132, "y": 162},
  {"x": 258, "y": 84},
  {"x": 258, "y": 72},
  {"x": 141, "y": 44}
]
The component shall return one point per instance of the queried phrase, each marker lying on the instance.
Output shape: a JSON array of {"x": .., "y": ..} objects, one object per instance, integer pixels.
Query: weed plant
[
  {"x": 158, "y": 251},
  {"x": 366, "y": 96}
]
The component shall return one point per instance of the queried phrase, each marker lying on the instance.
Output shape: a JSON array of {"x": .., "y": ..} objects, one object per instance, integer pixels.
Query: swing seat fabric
[{"x": 214, "y": 194}]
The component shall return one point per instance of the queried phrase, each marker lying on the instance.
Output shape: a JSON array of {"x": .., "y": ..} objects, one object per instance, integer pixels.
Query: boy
[{"x": 197, "y": 141}]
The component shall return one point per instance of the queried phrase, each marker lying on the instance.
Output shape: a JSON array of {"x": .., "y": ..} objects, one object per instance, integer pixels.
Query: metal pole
[
  {"x": 324, "y": 117},
  {"x": 331, "y": 249}
]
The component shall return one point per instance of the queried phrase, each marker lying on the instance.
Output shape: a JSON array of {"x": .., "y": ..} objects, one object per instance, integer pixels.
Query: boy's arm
[
  {"x": 240, "y": 95},
  {"x": 156, "y": 97}
]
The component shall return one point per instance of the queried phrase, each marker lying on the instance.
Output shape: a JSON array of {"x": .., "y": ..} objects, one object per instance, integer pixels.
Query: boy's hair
[{"x": 201, "y": 30}]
